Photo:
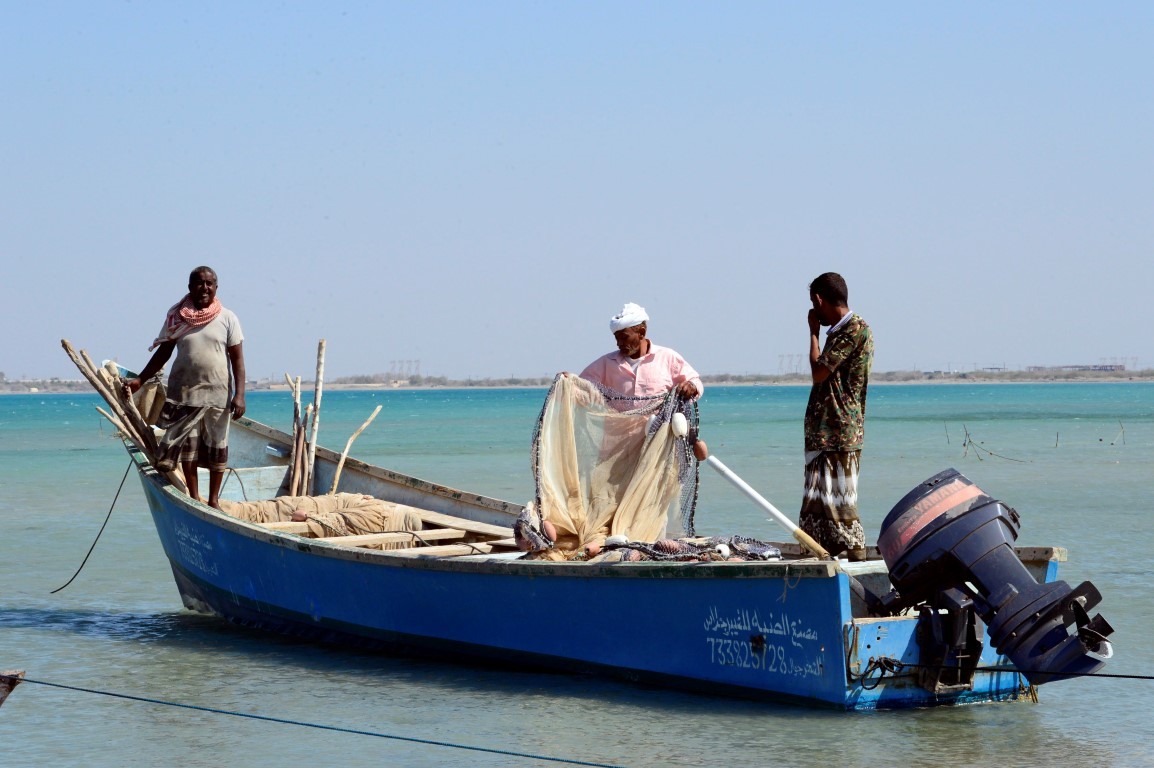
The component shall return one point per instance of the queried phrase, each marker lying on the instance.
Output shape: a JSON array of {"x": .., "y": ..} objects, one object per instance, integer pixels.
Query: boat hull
[{"x": 783, "y": 631}]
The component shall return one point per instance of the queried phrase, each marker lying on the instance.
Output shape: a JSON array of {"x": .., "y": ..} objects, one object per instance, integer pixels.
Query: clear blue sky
[{"x": 481, "y": 185}]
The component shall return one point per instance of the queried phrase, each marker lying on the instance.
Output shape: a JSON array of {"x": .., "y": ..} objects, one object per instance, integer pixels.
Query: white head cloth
[{"x": 629, "y": 316}]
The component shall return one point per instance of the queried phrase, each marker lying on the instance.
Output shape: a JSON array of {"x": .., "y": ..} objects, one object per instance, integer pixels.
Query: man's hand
[
  {"x": 236, "y": 407},
  {"x": 687, "y": 389},
  {"x": 814, "y": 323}
]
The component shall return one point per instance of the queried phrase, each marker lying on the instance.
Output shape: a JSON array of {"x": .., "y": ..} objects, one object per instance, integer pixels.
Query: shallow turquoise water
[{"x": 1076, "y": 460}]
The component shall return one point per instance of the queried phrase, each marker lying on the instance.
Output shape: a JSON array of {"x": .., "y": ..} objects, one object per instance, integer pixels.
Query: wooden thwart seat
[
  {"x": 394, "y": 537},
  {"x": 444, "y": 527},
  {"x": 286, "y": 526},
  {"x": 449, "y": 521},
  {"x": 455, "y": 550}
]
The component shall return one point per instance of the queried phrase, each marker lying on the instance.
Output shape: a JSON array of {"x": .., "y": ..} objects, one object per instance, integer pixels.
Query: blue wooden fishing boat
[
  {"x": 796, "y": 630},
  {"x": 945, "y": 611}
]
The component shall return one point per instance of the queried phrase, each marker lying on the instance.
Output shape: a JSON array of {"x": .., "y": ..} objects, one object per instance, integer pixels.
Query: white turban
[{"x": 629, "y": 316}]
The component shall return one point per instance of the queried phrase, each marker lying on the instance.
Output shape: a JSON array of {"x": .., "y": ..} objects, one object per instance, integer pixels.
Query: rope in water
[
  {"x": 100, "y": 532},
  {"x": 319, "y": 726}
]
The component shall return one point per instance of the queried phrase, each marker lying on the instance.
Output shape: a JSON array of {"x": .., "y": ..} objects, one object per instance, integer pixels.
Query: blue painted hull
[{"x": 783, "y": 631}]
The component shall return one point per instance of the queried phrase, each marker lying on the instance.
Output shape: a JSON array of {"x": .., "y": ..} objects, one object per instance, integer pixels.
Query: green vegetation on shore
[{"x": 382, "y": 381}]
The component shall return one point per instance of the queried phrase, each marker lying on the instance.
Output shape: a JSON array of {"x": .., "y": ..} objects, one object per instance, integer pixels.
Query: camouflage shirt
[{"x": 835, "y": 416}]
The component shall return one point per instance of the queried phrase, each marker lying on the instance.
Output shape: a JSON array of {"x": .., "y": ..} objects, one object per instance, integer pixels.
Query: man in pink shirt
[{"x": 639, "y": 367}]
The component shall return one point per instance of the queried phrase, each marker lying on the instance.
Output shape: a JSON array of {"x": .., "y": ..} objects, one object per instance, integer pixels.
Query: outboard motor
[{"x": 948, "y": 534}]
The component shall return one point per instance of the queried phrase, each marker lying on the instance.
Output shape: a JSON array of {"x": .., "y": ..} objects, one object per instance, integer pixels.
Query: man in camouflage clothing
[{"x": 835, "y": 419}]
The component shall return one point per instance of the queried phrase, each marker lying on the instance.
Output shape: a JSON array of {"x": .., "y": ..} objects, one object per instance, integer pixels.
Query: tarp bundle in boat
[
  {"x": 338, "y": 514},
  {"x": 608, "y": 464}
]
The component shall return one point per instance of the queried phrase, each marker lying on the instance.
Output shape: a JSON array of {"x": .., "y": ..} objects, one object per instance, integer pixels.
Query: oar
[
  {"x": 802, "y": 537},
  {"x": 681, "y": 429}
]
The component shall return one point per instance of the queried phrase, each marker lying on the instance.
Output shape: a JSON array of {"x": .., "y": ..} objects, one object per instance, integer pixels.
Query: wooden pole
[
  {"x": 132, "y": 429},
  {"x": 298, "y": 470},
  {"x": 303, "y": 485},
  {"x": 298, "y": 428},
  {"x": 115, "y": 421},
  {"x": 348, "y": 445},
  {"x": 318, "y": 390},
  {"x": 136, "y": 430},
  {"x": 113, "y": 384},
  {"x": 802, "y": 537},
  {"x": 172, "y": 476}
]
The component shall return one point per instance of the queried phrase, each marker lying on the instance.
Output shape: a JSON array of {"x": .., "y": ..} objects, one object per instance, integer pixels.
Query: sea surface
[{"x": 113, "y": 653}]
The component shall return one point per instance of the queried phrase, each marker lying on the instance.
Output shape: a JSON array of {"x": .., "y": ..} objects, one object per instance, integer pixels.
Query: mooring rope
[
  {"x": 319, "y": 726},
  {"x": 101, "y": 531}
]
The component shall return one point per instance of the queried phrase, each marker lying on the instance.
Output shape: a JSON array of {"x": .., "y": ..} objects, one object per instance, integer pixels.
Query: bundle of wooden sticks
[{"x": 126, "y": 412}]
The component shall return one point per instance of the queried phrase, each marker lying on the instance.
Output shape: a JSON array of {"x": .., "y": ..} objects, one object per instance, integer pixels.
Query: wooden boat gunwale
[
  {"x": 799, "y": 564},
  {"x": 807, "y": 568}
]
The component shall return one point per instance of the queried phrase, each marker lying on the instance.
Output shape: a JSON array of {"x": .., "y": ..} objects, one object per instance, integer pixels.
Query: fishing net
[
  {"x": 340, "y": 514},
  {"x": 607, "y": 464},
  {"x": 689, "y": 550}
]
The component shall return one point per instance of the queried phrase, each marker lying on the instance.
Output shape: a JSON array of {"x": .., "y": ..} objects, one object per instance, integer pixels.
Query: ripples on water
[{"x": 119, "y": 627}]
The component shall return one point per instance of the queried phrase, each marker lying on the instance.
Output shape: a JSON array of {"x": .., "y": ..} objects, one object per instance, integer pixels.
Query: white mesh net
[{"x": 608, "y": 464}]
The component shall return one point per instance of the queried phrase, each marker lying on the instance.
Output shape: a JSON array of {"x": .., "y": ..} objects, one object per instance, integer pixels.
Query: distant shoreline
[{"x": 357, "y": 383}]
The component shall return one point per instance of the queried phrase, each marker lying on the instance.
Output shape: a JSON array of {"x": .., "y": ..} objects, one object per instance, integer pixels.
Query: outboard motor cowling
[{"x": 948, "y": 534}]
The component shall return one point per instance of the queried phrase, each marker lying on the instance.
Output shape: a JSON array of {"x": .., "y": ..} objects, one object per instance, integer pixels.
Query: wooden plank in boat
[
  {"x": 453, "y": 550},
  {"x": 450, "y": 521},
  {"x": 286, "y": 526},
  {"x": 394, "y": 537}
]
